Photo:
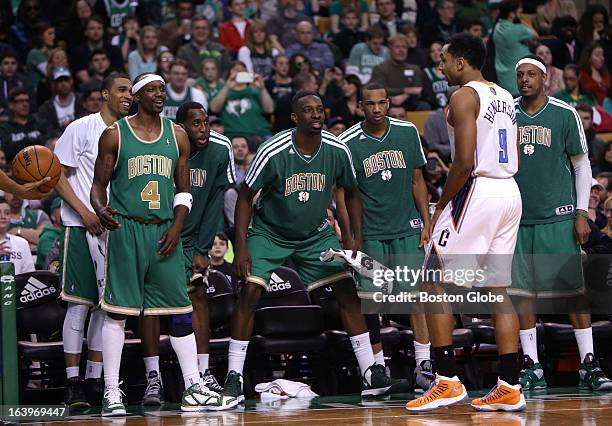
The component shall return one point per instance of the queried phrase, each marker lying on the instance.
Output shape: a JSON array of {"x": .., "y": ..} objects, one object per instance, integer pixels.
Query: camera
[{"x": 244, "y": 77}]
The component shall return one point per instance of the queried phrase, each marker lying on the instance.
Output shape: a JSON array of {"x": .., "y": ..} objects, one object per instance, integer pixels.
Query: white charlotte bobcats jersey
[{"x": 496, "y": 154}]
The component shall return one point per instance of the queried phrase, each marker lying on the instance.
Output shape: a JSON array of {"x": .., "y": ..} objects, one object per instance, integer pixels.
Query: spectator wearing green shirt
[
  {"x": 365, "y": 56},
  {"x": 211, "y": 84},
  {"x": 241, "y": 106},
  {"x": 510, "y": 37},
  {"x": 572, "y": 94},
  {"x": 50, "y": 240},
  {"x": 26, "y": 222},
  {"x": 36, "y": 62}
]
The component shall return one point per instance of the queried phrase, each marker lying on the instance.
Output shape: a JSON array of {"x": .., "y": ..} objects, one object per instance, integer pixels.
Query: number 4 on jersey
[{"x": 150, "y": 194}]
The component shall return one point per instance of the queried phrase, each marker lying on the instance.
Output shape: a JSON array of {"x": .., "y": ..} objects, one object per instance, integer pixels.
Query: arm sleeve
[
  {"x": 582, "y": 171},
  {"x": 67, "y": 147},
  {"x": 419, "y": 155},
  {"x": 211, "y": 223},
  {"x": 260, "y": 171},
  {"x": 575, "y": 140},
  {"x": 346, "y": 175}
]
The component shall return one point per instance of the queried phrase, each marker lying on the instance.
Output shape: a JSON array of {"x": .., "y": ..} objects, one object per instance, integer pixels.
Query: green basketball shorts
[
  {"x": 269, "y": 251},
  {"x": 547, "y": 261},
  {"x": 138, "y": 279},
  {"x": 82, "y": 269},
  {"x": 403, "y": 253}
]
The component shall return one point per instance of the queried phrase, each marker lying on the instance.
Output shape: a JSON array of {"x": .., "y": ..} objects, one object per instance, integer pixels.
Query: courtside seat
[
  {"x": 562, "y": 333},
  {"x": 287, "y": 333},
  {"x": 39, "y": 317}
]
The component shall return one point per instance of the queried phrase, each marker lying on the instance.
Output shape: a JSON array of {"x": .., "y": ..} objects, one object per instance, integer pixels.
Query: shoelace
[
  {"x": 211, "y": 383},
  {"x": 495, "y": 393},
  {"x": 153, "y": 386},
  {"x": 114, "y": 395},
  {"x": 435, "y": 390}
]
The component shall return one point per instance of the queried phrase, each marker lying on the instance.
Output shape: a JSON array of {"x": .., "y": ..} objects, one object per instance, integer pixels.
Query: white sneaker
[{"x": 198, "y": 397}]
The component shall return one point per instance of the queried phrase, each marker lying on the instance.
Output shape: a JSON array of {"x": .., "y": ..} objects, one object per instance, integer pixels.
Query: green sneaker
[
  {"x": 112, "y": 402},
  {"x": 592, "y": 376},
  {"x": 199, "y": 398},
  {"x": 233, "y": 386},
  {"x": 532, "y": 375}
]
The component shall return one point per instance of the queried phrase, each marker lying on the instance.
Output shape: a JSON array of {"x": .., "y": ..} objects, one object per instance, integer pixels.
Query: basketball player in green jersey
[
  {"x": 295, "y": 171},
  {"x": 388, "y": 157},
  {"x": 143, "y": 158},
  {"x": 547, "y": 261},
  {"x": 211, "y": 167}
]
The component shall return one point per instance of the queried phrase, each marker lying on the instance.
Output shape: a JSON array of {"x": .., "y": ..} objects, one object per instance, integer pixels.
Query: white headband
[
  {"x": 146, "y": 80},
  {"x": 533, "y": 62}
]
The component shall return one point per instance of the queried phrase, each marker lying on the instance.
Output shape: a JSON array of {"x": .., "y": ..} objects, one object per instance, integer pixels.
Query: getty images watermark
[{"x": 404, "y": 277}]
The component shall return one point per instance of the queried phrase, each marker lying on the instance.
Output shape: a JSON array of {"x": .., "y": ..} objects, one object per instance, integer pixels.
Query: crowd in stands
[{"x": 244, "y": 59}]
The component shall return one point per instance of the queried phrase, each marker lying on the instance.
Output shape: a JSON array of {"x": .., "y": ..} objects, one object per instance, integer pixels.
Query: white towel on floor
[
  {"x": 363, "y": 264},
  {"x": 284, "y": 389}
]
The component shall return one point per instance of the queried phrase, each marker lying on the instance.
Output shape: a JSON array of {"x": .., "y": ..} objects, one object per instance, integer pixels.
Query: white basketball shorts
[{"x": 474, "y": 238}]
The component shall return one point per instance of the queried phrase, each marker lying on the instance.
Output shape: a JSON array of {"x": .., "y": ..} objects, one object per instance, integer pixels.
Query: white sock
[
  {"x": 74, "y": 325},
  {"x": 187, "y": 354},
  {"x": 93, "y": 370},
  {"x": 237, "y": 355},
  {"x": 584, "y": 339},
  {"x": 379, "y": 357},
  {"x": 151, "y": 364},
  {"x": 363, "y": 352},
  {"x": 203, "y": 362},
  {"x": 113, "y": 336},
  {"x": 72, "y": 372},
  {"x": 421, "y": 352},
  {"x": 529, "y": 343}
]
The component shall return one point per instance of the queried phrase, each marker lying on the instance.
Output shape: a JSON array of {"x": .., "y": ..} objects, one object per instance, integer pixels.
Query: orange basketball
[{"x": 34, "y": 163}]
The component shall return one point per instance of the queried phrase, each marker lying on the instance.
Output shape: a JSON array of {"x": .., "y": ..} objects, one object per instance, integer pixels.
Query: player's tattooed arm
[
  {"x": 108, "y": 148},
  {"x": 352, "y": 200},
  {"x": 463, "y": 111},
  {"x": 172, "y": 235},
  {"x": 419, "y": 193},
  {"x": 242, "y": 219}
]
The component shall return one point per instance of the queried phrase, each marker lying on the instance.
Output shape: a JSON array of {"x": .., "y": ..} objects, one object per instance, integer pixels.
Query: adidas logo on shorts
[
  {"x": 277, "y": 283},
  {"x": 34, "y": 290}
]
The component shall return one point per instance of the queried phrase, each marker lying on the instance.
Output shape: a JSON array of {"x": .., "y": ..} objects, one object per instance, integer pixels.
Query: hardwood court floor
[{"x": 558, "y": 407}]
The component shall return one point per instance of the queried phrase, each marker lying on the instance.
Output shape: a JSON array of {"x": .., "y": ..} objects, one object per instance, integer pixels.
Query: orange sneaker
[
  {"x": 444, "y": 391},
  {"x": 503, "y": 397}
]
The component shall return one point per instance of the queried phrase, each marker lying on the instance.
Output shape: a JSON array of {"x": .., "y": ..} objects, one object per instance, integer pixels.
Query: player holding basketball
[
  {"x": 554, "y": 224},
  {"x": 476, "y": 218},
  {"x": 84, "y": 246},
  {"x": 395, "y": 208},
  {"x": 211, "y": 166},
  {"x": 295, "y": 171},
  {"x": 144, "y": 157}
]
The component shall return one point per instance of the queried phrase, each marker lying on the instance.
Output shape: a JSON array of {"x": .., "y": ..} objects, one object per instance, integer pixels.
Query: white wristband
[{"x": 183, "y": 199}]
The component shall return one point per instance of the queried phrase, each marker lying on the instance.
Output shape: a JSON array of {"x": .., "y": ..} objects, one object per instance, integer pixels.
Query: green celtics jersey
[
  {"x": 439, "y": 85},
  {"x": 117, "y": 9},
  {"x": 172, "y": 105},
  {"x": 211, "y": 170},
  {"x": 142, "y": 184},
  {"x": 384, "y": 174},
  {"x": 547, "y": 140},
  {"x": 297, "y": 189}
]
